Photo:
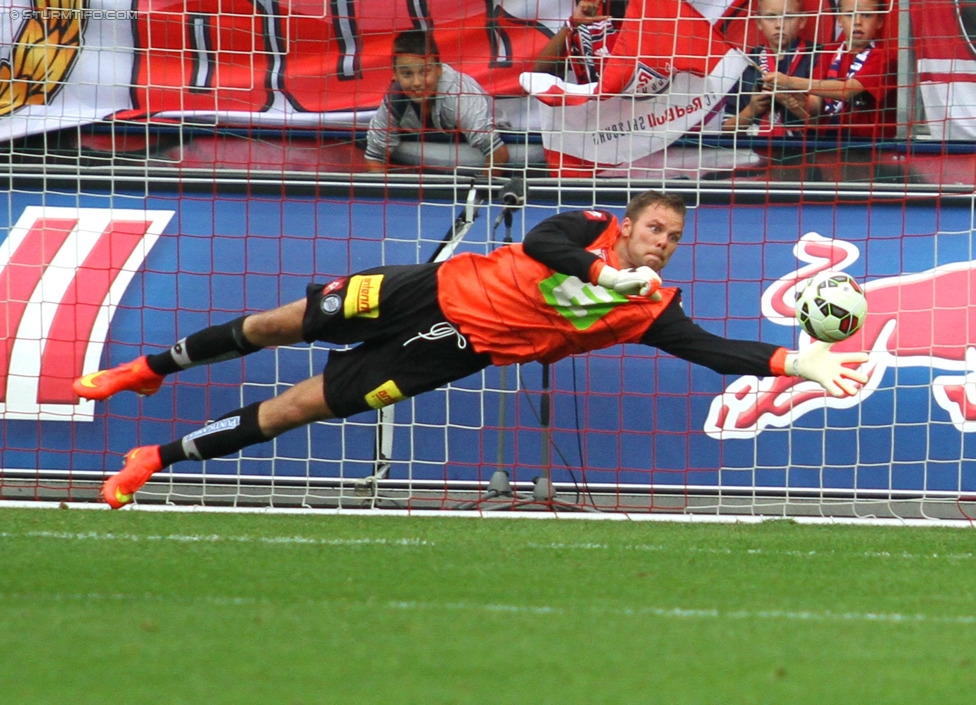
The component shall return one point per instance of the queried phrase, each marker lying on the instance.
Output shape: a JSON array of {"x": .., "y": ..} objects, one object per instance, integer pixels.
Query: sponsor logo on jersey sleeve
[{"x": 595, "y": 215}]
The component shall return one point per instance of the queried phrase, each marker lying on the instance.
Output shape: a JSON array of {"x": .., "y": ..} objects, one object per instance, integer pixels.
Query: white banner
[
  {"x": 945, "y": 49},
  {"x": 47, "y": 82},
  {"x": 622, "y": 129},
  {"x": 950, "y": 103}
]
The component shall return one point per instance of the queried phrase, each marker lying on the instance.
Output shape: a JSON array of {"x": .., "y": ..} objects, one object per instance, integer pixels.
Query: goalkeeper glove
[
  {"x": 828, "y": 369},
  {"x": 641, "y": 281}
]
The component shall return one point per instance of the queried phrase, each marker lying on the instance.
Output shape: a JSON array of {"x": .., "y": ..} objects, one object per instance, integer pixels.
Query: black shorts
[{"x": 405, "y": 345}]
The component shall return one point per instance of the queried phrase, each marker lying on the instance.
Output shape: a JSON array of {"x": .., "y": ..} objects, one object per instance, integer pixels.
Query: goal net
[{"x": 180, "y": 169}]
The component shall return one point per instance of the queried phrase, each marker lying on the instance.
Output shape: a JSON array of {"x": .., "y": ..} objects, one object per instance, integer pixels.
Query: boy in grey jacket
[{"x": 427, "y": 96}]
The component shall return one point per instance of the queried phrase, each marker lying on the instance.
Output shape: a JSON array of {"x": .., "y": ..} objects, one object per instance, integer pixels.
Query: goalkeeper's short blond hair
[{"x": 641, "y": 202}]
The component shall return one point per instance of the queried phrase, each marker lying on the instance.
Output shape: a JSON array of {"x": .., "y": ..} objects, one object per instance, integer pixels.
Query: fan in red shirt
[
  {"x": 852, "y": 91},
  {"x": 580, "y": 281}
]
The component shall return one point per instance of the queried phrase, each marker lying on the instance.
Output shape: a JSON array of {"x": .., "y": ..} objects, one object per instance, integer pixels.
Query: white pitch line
[
  {"x": 666, "y": 517},
  {"x": 727, "y": 551},
  {"x": 693, "y": 613},
  {"x": 408, "y": 542},
  {"x": 524, "y": 609},
  {"x": 213, "y": 538}
]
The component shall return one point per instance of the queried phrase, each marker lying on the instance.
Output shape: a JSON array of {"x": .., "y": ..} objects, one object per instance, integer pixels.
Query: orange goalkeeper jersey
[{"x": 516, "y": 308}]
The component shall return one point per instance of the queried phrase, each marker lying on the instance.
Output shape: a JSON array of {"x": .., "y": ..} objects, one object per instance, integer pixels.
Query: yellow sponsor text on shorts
[
  {"x": 384, "y": 395},
  {"x": 363, "y": 296}
]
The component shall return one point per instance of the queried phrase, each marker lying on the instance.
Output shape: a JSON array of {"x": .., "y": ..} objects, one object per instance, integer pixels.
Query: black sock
[
  {"x": 228, "y": 434},
  {"x": 214, "y": 344}
]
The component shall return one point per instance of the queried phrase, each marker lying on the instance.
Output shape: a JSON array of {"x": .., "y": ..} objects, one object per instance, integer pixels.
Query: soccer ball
[{"x": 831, "y": 306}]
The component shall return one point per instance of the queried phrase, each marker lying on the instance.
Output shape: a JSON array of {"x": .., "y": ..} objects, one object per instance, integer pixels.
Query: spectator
[
  {"x": 851, "y": 93},
  {"x": 428, "y": 97},
  {"x": 752, "y": 106},
  {"x": 582, "y": 43}
]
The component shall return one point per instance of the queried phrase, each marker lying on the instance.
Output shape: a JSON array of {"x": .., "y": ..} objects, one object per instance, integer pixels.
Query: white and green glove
[
  {"x": 828, "y": 369},
  {"x": 640, "y": 281}
]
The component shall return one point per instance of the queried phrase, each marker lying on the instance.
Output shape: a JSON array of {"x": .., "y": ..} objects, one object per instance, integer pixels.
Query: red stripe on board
[
  {"x": 21, "y": 276},
  {"x": 933, "y": 77},
  {"x": 74, "y": 320}
]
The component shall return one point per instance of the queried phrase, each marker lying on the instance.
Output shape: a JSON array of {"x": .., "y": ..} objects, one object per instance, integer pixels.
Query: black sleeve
[
  {"x": 560, "y": 242},
  {"x": 675, "y": 333}
]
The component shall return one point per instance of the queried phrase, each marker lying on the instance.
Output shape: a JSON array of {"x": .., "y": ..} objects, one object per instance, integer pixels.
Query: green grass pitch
[{"x": 198, "y": 607}]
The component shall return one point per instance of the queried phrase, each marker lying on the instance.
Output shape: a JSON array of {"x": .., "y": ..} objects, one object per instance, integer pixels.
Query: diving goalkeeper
[{"x": 580, "y": 281}]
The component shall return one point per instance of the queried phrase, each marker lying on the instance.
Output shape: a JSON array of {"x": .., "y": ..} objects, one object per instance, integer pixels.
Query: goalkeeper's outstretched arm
[{"x": 675, "y": 333}]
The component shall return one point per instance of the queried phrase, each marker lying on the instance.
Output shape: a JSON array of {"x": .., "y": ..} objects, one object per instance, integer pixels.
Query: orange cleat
[
  {"x": 133, "y": 376},
  {"x": 140, "y": 464}
]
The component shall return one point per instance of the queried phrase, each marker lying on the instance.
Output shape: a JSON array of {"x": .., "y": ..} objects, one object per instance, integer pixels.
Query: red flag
[{"x": 657, "y": 38}]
